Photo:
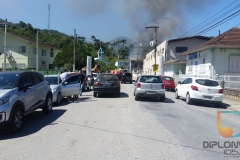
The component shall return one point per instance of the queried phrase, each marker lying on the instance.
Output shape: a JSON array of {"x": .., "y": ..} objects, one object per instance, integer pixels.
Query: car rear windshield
[
  {"x": 107, "y": 77},
  {"x": 127, "y": 74},
  {"x": 167, "y": 78},
  {"x": 207, "y": 82},
  {"x": 150, "y": 79}
]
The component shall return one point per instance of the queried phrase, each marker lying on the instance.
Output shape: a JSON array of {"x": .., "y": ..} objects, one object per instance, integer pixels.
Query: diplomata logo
[{"x": 226, "y": 132}]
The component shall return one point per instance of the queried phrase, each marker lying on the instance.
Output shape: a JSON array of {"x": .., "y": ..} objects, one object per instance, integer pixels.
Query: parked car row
[{"x": 192, "y": 89}]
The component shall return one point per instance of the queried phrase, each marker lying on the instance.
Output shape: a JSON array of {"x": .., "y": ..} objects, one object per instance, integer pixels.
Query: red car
[{"x": 168, "y": 82}]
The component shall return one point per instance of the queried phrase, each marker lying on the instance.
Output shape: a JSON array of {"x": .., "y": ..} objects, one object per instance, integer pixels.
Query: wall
[
  {"x": 222, "y": 62},
  {"x": 28, "y": 58},
  {"x": 190, "y": 43}
]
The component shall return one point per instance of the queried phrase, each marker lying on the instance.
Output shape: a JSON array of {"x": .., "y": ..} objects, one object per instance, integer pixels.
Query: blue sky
[{"x": 109, "y": 19}]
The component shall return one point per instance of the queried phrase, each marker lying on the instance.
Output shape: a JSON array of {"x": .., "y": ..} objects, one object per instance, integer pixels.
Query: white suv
[
  {"x": 21, "y": 93},
  {"x": 200, "y": 89}
]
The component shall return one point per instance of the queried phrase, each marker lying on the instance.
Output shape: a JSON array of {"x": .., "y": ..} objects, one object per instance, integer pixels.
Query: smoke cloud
[{"x": 167, "y": 14}]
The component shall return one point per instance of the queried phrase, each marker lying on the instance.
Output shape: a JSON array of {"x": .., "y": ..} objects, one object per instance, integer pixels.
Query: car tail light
[
  {"x": 95, "y": 84},
  {"x": 123, "y": 77},
  {"x": 220, "y": 91},
  {"x": 195, "y": 88},
  {"x": 163, "y": 86},
  {"x": 139, "y": 85},
  {"x": 117, "y": 83}
]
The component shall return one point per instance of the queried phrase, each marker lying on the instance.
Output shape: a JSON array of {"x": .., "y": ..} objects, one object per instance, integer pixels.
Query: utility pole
[
  {"x": 5, "y": 46},
  {"x": 155, "y": 66},
  {"x": 37, "y": 51},
  {"x": 74, "y": 50}
]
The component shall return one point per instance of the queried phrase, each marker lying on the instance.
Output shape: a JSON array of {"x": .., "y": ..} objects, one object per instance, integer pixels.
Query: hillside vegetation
[{"x": 66, "y": 43}]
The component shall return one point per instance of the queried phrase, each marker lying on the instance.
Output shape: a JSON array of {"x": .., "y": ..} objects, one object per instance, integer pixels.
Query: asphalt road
[{"x": 121, "y": 128}]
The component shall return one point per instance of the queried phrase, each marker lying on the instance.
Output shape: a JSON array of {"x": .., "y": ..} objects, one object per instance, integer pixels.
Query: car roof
[
  {"x": 51, "y": 75},
  {"x": 201, "y": 78},
  {"x": 150, "y": 75}
]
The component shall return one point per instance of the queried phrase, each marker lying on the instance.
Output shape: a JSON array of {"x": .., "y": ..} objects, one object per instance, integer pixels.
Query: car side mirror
[
  {"x": 64, "y": 83},
  {"x": 27, "y": 86},
  {"x": 179, "y": 82}
]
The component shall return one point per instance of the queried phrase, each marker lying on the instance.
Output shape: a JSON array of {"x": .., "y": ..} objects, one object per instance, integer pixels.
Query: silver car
[
  {"x": 55, "y": 84},
  {"x": 22, "y": 93},
  {"x": 149, "y": 86},
  {"x": 70, "y": 86}
]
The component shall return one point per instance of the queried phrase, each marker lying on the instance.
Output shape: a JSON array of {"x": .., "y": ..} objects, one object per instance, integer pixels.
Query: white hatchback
[{"x": 200, "y": 89}]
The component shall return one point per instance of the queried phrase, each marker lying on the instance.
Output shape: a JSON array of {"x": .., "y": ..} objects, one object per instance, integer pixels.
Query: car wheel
[
  {"x": 48, "y": 105},
  {"x": 59, "y": 97},
  {"x": 162, "y": 99},
  {"x": 188, "y": 99},
  {"x": 94, "y": 94},
  {"x": 118, "y": 94},
  {"x": 176, "y": 94},
  {"x": 16, "y": 121}
]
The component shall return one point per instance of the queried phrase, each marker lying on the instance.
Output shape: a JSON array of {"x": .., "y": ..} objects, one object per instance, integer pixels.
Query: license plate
[
  {"x": 150, "y": 92},
  {"x": 106, "y": 84},
  {"x": 207, "y": 97}
]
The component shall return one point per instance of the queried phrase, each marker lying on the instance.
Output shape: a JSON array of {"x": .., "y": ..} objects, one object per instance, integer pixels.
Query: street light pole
[
  {"x": 5, "y": 46},
  {"x": 37, "y": 51},
  {"x": 74, "y": 52},
  {"x": 155, "y": 55}
]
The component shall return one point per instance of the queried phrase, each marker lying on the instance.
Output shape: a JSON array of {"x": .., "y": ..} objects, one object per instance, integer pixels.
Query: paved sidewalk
[{"x": 231, "y": 104}]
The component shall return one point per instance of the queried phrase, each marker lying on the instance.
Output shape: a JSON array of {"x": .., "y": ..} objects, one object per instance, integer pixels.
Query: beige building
[
  {"x": 21, "y": 53},
  {"x": 168, "y": 52}
]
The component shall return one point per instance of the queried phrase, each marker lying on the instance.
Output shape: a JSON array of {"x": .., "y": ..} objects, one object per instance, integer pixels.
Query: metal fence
[
  {"x": 44, "y": 72},
  {"x": 231, "y": 82}
]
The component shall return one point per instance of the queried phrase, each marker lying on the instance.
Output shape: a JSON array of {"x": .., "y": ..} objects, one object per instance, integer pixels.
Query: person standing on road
[
  {"x": 82, "y": 81},
  {"x": 64, "y": 76}
]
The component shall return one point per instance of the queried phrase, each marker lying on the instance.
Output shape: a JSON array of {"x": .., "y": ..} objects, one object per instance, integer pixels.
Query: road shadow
[
  {"x": 111, "y": 95},
  {"x": 152, "y": 99},
  {"x": 207, "y": 104},
  {"x": 33, "y": 123}
]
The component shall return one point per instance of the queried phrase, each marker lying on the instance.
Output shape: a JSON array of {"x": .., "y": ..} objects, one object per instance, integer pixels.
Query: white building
[
  {"x": 218, "y": 56},
  {"x": 174, "y": 63}
]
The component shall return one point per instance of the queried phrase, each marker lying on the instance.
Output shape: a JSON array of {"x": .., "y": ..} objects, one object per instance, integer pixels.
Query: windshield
[
  {"x": 106, "y": 77},
  {"x": 53, "y": 80},
  {"x": 206, "y": 82},
  {"x": 150, "y": 79},
  {"x": 94, "y": 75},
  {"x": 8, "y": 80},
  {"x": 167, "y": 78}
]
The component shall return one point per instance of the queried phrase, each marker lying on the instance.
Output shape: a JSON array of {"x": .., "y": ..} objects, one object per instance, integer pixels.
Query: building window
[
  {"x": 21, "y": 49},
  {"x": 51, "y": 54},
  {"x": 202, "y": 65},
  {"x": 21, "y": 66},
  {"x": 8, "y": 49},
  {"x": 163, "y": 51},
  {"x": 180, "y": 49},
  {"x": 44, "y": 52},
  {"x": 7, "y": 65},
  {"x": 191, "y": 63},
  {"x": 51, "y": 66},
  {"x": 234, "y": 64},
  {"x": 34, "y": 50}
]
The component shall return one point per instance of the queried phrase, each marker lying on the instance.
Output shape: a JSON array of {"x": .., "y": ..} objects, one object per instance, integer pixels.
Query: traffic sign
[{"x": 155, "y": 67}]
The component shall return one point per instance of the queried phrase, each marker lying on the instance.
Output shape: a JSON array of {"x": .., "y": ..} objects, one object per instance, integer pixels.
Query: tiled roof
[{"x": 228, "y": 39}]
